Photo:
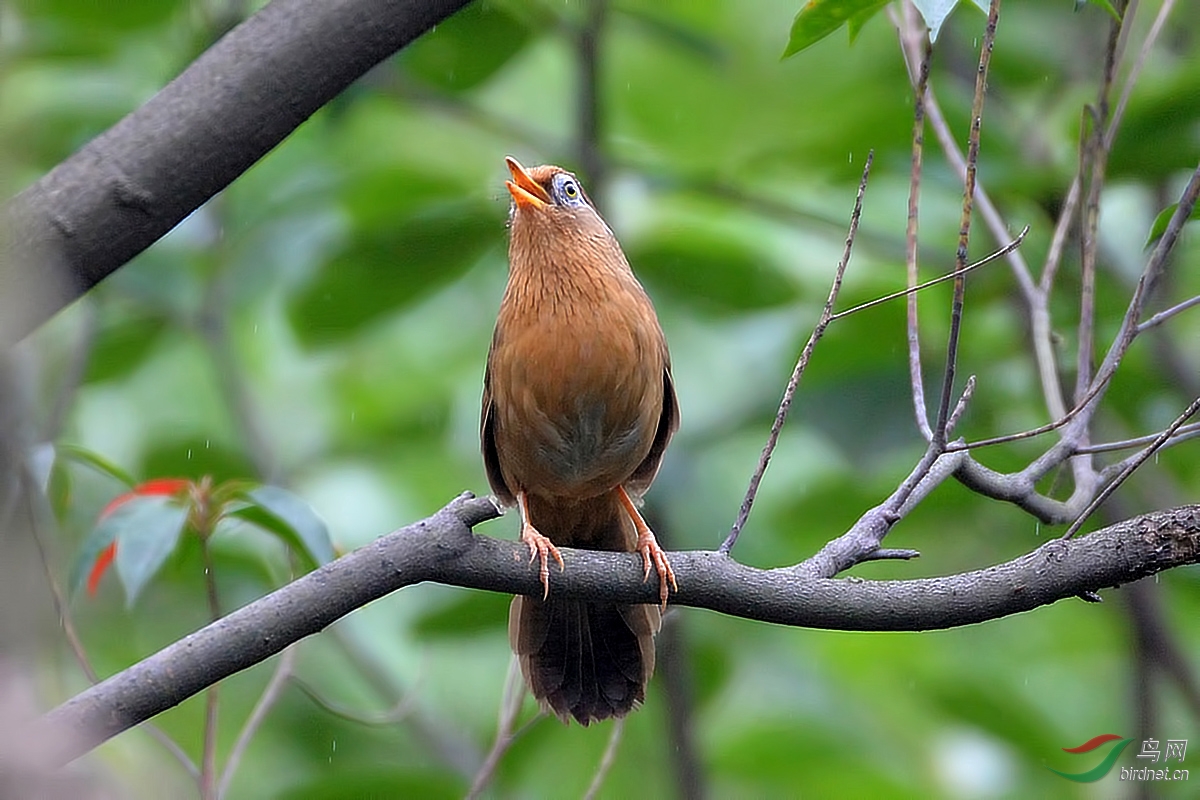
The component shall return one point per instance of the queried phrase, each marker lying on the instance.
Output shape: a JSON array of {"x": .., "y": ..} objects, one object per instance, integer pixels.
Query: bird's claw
[
  {"x": 540, "y": 547},
  {"x": 652, "y": 554}
]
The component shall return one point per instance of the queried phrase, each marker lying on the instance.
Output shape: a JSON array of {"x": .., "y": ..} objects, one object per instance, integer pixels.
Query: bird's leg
[
  {"x": 647, "y": 545},
  {"x": 539, "y": 546}
]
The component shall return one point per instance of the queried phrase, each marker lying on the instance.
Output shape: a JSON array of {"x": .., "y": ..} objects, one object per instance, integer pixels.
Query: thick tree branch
[
  {"x": 133, "y": 183},
  {"x": 442, "y": 548}
]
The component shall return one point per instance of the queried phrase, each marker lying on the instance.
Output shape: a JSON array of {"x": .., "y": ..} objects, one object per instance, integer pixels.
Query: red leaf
[
  {"x": 103, "y": 561},
  {"x": 154, "y": 486}
]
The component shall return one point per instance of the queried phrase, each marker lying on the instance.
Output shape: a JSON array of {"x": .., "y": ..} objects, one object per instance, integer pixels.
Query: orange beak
[{"x": 526, "y": 192}]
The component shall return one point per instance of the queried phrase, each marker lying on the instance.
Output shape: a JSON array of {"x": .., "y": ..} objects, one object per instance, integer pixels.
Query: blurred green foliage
[{"x": 323, "y": 325}]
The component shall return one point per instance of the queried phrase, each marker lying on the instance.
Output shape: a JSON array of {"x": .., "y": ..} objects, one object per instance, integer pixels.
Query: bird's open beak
[{"x": 526, "y": 192}]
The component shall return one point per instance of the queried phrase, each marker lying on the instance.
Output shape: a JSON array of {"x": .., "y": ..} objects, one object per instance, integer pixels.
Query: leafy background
[{"x": 322, "y": 325}]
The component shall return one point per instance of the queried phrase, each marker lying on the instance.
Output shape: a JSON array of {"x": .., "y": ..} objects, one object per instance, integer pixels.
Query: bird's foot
[
  {"x": 652, "y": 553},
  {"x": 647, "y": 545},
  {"x": 540, "y": 547}
]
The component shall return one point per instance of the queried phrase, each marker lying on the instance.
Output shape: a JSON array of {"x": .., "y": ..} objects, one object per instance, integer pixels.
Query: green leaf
[
  {"x": 122, "y": 345},
  {"x": 286, "y": 515},
  {"x": 96, "y": 461},
  {"x": 384, "y": 269},
  {"x": 468, "y": 48},
  {"x": 1164, "y": 219},
  {"x": 1104, "y": 4},
  {"x": 710, "y": 270},
  {"x": 146, "y": 530},
  {"x": 375, "y": 781},
  {"x": 193, "y": 456},
  {"x": 935, "y": 12},
  {"x": 468, "y": 614},
  {"x": 819, "y": 18},
  {"x": 855, "y": 24}
]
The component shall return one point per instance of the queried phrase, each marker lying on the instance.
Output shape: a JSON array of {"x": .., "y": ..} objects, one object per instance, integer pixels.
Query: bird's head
[
  {"x": 555, "y": 229},
  {"x": 551, "y": 208},
  {"x": 545, "y": 189}
]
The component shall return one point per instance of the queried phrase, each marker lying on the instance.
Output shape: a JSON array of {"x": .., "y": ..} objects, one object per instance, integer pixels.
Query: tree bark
[
  {"x": 442, "y": 548},
  {"x": 127, "y": 187}
]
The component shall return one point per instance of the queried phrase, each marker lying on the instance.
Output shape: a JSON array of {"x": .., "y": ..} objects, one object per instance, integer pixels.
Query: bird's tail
[{"x": 584, "y": 659}]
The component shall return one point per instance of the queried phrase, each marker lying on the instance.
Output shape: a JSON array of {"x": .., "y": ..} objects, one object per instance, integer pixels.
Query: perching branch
[
  {"x": 133, "y": 183},
  {"x": 442, "y": 548},
  {"x": 793, "y": 383}
]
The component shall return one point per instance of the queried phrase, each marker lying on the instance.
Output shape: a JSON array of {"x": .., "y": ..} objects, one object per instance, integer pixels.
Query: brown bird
[{"x": 578, "y": 408}]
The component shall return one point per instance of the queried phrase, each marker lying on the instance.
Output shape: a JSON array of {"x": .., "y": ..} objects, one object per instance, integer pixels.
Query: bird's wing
[
  {"x": 487, "y": 443},
  {"x": 668, "y": 423}
]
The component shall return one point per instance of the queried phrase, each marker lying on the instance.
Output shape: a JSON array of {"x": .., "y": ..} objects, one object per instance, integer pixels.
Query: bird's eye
[{"x": 570, "y": 190}]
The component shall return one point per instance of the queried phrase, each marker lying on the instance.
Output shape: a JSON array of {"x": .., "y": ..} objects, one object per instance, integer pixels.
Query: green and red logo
[{"x": 1104, "y": 767}]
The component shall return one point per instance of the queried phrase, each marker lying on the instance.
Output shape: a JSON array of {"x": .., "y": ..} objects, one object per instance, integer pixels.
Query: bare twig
[
  {"x": 949, "y": 276},
  {"x": 590, "y": 113},
  {"x": 674, "y": 670},
  {"x": 506, "y": 730},
  {"x": 1131, "y": 465},
  {"x": 1154, "y": 267},
  {"x": 607, "y": 760},
  {"x": 266, "y": 701},
  {"x": 964, "y": 230},
  {"x": 396, "y": 713},
  {"x": 1166, "y": 314},
  {"x": 912, "y": 37},
  {"x": 801, "y": 365},
  {"x": 447, "y": 745},
  {"x": 790, "y": 391},
  {"x": 910, "y": 241},
  {"x": 208, "y": 759},
  {"x": 63, "y": 609},
  {"x": 961, "y": 405},
  {"x": 1183, "y": 434},
  {"x": 213, "y": 324}
]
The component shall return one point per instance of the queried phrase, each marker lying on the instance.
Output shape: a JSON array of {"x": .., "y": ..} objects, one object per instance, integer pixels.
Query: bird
[{"x": 578, "y": 409}]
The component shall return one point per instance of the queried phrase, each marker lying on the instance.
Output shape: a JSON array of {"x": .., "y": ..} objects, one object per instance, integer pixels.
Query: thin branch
[
  {"x": 441, "y": 741},
  {"x": 590, "y": 113},
  {"x": 127, "y": 187},
  {"x": 801, "y": 364},
  {"x": 949, "y": 276},
  {"x": 63, "y": 609},
  {"x": 397, "y": 713},
  {"x": 606, "y": 760},
  {"x": 961, "y": 405},
  {"x": 1166, "y": 314},
  {"x": 1029, "y": 434},
  {"x": 1093, "y": 160},
  {"x": 213, "y": 324},
  {"x": 1183, "y": 434},
  {"x": 506, "y": 731},
  {"x": 208, "y": 757},
  {"x": 964, "y": 230},
  {"x": 912, "y": 37},
  {"x": 674, "y": 669},
  {"x": 270, "y": 695},
  {"x": 442, "y": 548},
  {"x": 1132, "y": 465},
  {"x": 910, "y": 242},
  {"x": 1154, "y": 267},
  {"x": 73, "y": 374}
]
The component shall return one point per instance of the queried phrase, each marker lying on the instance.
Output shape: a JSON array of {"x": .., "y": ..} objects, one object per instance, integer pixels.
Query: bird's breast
[{"x": 577, "y": 388}]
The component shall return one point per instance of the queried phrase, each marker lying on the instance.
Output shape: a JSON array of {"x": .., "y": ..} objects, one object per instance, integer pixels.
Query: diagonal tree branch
[
  {"x": 442, "y": 548},
  {"x": 130, "y": 185}
]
